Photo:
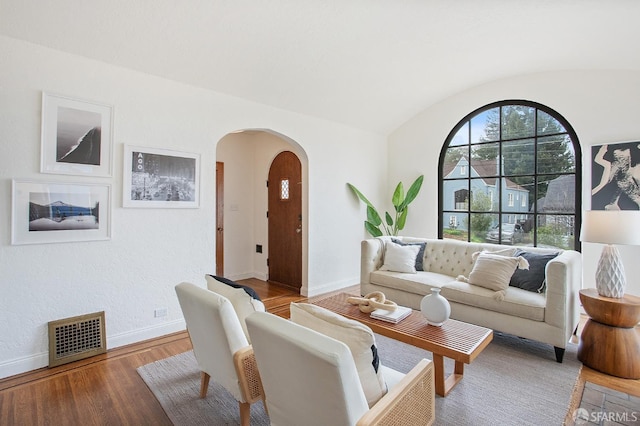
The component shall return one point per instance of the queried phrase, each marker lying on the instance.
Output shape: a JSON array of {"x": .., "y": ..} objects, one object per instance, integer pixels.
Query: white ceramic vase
[{"x": 435, "y": 308}]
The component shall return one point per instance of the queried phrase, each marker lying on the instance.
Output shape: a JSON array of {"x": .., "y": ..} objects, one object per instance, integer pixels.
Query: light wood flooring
[{"x": 106, "y": 389}]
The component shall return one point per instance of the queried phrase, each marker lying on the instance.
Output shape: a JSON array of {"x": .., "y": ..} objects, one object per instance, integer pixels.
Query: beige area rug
[{"x": 512, "y": 382}]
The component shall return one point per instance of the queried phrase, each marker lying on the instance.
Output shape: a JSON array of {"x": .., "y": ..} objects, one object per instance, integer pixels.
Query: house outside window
[
  {"x": 453, "y": 222},
  {"x": 462, "y": 199},
  {"x": 522, "y": 164}
]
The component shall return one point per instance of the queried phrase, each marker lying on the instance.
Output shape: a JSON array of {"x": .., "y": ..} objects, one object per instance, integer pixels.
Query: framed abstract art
[
  {"x": 76, "y": 137},
  {"x": 615, "y": 176}
]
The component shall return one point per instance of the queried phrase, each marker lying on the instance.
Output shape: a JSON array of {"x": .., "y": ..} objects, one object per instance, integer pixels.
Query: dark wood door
[
  {"x": 285, "y": 220},
  {"x": 219, "y": 218}
]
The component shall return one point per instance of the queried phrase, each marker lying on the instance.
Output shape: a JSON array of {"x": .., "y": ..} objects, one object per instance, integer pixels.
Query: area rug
[{"x": 512, "y": 382}]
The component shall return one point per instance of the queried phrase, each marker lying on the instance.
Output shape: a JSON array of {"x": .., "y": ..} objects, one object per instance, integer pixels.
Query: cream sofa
[{"x": 549, "y": 317}]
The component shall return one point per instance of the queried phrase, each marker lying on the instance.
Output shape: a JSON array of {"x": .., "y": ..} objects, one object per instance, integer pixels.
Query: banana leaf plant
[{"x": 374, "y": 224}]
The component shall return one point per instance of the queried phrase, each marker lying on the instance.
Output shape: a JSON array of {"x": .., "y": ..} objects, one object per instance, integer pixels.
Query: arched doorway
[
  {"x": 285, "y": 220},
  {"x": 243, "y": 205}
]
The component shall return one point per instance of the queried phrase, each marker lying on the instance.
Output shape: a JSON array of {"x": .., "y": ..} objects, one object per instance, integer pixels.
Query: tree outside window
[{"x": 511, "y": 150}]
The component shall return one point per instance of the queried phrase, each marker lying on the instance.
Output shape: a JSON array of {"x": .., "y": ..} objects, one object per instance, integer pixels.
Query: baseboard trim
[
  {"x": 36, "y": 361},
  {"x": 247, "y": 275},
  {"x": 328, "y": 287},
  {"x": 146, "y": 333},
  {"x": 24, "y": 364}
]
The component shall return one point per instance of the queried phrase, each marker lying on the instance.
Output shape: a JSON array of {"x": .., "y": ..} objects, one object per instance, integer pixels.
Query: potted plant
[{"x": 374, "y": 224}]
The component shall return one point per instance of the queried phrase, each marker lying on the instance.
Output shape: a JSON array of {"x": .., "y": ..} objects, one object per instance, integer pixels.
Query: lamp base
[{"x": 610, "y": 278}]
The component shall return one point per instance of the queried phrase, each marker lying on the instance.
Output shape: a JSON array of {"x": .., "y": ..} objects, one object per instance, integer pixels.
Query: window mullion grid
[
  {"x": 469, "y": 193},
  {"x": 535, "y": 180},
  {"x": 499, "y": 175},
  {"x": 535, "y": 212}
]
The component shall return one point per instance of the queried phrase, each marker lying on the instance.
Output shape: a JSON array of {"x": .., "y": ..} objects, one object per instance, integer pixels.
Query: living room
[{"x": 589, "y": 75}]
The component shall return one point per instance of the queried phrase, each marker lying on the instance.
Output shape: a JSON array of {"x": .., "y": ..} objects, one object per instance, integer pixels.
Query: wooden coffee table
[{"x": 457, "y": 340}]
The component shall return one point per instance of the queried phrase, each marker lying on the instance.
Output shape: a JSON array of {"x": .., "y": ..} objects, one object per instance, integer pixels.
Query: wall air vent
[{"x": 75, "y": 338}]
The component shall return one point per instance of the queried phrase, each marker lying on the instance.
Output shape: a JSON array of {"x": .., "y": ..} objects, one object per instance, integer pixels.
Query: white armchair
[
  {"x": 311, "y": 379},
  {"x": 220, "y": 346}
]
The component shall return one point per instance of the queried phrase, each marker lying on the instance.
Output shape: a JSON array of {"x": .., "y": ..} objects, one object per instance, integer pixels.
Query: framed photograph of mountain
[
  {"x": 160, "y": 178},
  {"x": 76, "y": 136},
  {"x": 615, "y": 176},
  {"x": 48, "y": 212}
]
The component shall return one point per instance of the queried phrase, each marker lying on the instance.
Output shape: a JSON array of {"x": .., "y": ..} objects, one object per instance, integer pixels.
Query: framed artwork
[
  {"x": 160, "y": 178},
  {"x": 615, "y": 176},
  {"x": 48, "y": 212},
  {"x": 76, "y": 137}
]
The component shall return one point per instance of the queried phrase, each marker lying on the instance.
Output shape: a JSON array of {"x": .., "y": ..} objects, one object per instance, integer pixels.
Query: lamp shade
[{"x": 611, "y": 227}]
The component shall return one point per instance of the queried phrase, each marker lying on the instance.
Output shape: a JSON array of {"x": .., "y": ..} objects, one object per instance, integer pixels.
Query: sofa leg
[
  {"x": 574, "y": 337},
  {"x": 559, "y": 353}
]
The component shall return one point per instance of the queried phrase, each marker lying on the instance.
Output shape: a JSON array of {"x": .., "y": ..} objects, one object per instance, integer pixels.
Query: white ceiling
[{"x": 371, "y": 64}]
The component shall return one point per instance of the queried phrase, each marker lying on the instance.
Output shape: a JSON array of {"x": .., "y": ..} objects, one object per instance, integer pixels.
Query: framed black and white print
[
  {"x": 76, "y": 137},
  {"x": 49, "y": 212},
  {"x": 160, "y": 178},
  {"x": 615, "y": 176}
]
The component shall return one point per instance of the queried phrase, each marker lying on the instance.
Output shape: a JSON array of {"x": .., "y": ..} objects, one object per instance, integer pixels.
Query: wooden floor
[{"x": 106, "y": 389}]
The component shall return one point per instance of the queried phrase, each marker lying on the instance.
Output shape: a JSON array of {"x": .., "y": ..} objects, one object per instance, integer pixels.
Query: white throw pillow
[
  {"x": 494, "y": 271},
  {"x": 399, "y": 258},
  {"x": 243, "y": 303},
  {"x": 357, "y": 336},
  {"x": 510, "y": 252}
]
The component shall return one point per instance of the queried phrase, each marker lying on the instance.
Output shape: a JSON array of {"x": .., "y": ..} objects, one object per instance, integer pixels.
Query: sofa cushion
[
  {"x": 453, "y": 257},
  {"x": 399, "y": 258},
  {"x": 242, "y": 300},
  {"x": 517, "y": 302},
  {"x": 357, "y": 336},
  {"x": 493, "y": 271},
  {"x": 418, "y": 283},
  {"x": 532, "y": 279},
  {"x": 419, "y": 256}
]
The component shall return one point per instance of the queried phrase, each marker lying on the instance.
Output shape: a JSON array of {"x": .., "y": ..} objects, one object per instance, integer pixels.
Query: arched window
[{"x": 510, "y": 174}]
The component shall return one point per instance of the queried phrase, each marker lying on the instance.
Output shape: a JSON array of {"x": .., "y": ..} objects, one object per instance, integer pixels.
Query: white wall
[
  {"x": 151, "y": 250},
  {"x": 602, "y": 107}
]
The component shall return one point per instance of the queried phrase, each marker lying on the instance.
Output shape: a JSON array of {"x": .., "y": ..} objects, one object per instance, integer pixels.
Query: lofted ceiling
[{"x": 371, "y": 64}]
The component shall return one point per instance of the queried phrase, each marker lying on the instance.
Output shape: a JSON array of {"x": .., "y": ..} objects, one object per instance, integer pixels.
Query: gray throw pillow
[{"x": 532, "y": 279}]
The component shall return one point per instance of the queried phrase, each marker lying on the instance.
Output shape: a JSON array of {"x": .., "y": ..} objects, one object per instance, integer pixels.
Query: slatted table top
[{"x": 454, "y": 339}]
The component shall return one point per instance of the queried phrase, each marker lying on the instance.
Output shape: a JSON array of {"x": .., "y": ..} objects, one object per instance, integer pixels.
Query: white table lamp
[{"x": 611, "y": 227}]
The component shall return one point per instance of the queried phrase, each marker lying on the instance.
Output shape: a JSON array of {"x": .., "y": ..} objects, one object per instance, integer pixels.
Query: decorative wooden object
[
  {"x": 457, "y": 340},
  {"x": 610, "y": 341}
]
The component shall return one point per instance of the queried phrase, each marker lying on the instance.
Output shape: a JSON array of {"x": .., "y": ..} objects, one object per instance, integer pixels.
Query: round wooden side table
[{"x": 610, "y": 340}]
